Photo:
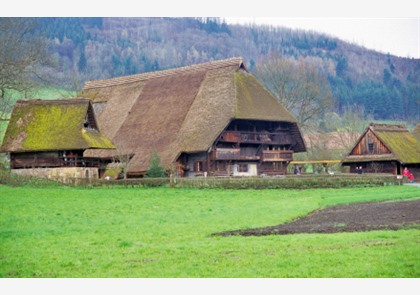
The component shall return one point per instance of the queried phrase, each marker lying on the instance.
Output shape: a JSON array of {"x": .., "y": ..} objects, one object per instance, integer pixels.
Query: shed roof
[
  {"x": 416, "y": 132},
  {"x": 404, "y": 147},
  {"x": 44, "y": 125},
  {"x": 181, "y": 110}
]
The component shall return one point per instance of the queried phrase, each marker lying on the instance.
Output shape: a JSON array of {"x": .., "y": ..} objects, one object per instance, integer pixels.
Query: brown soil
[{"x": 346, "y": 218}]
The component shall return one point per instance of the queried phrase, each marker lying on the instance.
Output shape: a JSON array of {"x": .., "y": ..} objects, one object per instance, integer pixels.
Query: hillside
[{"x": 386, "y": 86}]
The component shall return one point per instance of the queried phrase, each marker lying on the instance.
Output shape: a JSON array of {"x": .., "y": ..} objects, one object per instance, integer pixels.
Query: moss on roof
[
  {"x": 254, "y": 102},
  {"x": 402, "y": 144},
  {"x": 416, "y": 132},
  {"x": 42, "y": 125}
]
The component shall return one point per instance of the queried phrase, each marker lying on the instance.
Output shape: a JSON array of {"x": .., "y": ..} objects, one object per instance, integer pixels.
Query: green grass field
[{"x": 165, "y": 233}]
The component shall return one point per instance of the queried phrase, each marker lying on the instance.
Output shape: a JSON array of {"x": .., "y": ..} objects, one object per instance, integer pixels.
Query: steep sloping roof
[
  {"x": 44, "y": 125},
  {"x": 180, "y": 110},
  {"x": 402, "y": 144}
]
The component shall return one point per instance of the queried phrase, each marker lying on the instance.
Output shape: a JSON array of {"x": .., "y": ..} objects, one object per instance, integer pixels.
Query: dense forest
[{"x": 386, "y": 87}]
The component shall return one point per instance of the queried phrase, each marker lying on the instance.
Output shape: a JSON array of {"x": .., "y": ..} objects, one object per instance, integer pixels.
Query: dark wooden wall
[{"x": 34, "y": 160}]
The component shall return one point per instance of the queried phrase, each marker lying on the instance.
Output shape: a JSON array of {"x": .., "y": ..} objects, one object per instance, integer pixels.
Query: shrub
[
  {"x": 8, "y": 178},
  {"x": 155, "y": 168}
]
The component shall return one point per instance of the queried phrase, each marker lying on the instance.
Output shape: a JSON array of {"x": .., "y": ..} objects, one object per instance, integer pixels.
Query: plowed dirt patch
[{"x": 346, "y": 218}]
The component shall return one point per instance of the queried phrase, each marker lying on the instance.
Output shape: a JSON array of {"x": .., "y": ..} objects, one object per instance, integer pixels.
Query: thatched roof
[
  {"x": 416, "y": 132},
  {"x": 180, "y": 110},
  {"x": 402, "y": 144},
  {"x": 45, "y": 125}
]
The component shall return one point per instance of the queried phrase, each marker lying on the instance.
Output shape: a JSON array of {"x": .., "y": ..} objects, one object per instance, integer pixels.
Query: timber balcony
[
  {"x": 276, "y": 156},
  {"x": 232, "y": 154},
  {"x": 35, "y": 161},
  {"x": 239, "y": 154},
  {"x": 256, "y": 137}
]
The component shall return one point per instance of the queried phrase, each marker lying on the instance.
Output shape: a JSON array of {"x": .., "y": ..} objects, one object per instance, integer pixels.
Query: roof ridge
[
  {"x": 52, "y": 101},
  {"x": 149, "y": 75},
  {"x": 388, "y": 127}
]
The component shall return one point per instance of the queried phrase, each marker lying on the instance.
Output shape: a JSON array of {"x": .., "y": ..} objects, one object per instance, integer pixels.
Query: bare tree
[
  {"x": 22, "y": 54},
  {"x": 122, "y": 158},
  {"x": 298, "y": 85}
]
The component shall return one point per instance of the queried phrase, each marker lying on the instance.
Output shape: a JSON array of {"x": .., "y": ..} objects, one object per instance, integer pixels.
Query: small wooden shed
[
  {"x": 385, "y": 148},
  {"x": 53, "y": 134}
]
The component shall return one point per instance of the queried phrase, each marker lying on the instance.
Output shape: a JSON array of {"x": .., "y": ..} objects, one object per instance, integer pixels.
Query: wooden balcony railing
[
  {"x": 256, "y": 137},
  {"x": 276, "y": 156},
  {"x": 232, "y": 154},
  {"x": 240, "y": 154},
  {"x": 35, "y": 162}
]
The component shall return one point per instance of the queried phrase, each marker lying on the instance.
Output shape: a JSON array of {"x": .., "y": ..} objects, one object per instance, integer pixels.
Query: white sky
[{"x": 388, "y": 26}]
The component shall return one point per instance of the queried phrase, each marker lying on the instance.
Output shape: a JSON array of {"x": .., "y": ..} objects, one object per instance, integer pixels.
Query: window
[
  {"x": 243, "y": 167},
  {"x": 370, "y": 143},
  {"x": 198, "y": 166},
  {"x": 86, "y": 123}
]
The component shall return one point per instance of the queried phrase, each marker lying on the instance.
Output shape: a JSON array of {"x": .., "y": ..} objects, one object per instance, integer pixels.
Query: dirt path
[{"x": 346, "y": 218}]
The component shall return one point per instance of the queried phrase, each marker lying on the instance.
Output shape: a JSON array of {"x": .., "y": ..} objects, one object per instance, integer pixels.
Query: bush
[
  {"x": 288, "y": 182},
  {"x": 8, "y": 178},
  {"x": 155, "y": 168}
]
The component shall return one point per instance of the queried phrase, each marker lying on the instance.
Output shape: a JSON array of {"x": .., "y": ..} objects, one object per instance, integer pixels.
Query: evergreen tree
[
  {"x": 82, "y": 61},
  {"x": 155, "y": 168}
]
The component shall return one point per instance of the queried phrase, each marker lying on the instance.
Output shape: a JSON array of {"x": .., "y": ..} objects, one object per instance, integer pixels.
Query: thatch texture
[
  {"x": 397, "y": 139},
  {"x": 416, "y": 132},
  {"x": 180, "y": 110},
  {"x": 254, "y": 102},
  {"x": 45, "y": 125}
]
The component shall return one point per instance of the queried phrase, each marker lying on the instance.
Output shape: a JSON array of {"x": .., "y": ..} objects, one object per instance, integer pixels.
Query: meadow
[{"x": 71, "y": 232}]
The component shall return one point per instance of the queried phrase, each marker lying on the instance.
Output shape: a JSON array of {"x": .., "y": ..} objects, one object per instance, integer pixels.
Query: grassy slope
[{"x": 70, "y": 232}]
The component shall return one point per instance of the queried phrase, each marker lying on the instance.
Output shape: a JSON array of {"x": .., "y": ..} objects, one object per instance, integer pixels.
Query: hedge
[{"x": 288, "y": 182}]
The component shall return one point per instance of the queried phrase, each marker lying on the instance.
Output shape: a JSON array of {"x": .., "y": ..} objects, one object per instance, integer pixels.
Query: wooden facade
[
  {"x": 370, "y": 144},
  {"x": 384, "y": 148},
  {"x": 244, "y": 148},
  {"x": 72, "y": 158}
]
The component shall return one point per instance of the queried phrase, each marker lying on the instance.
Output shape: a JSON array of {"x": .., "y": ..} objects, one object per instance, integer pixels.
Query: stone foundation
[{"x": 61, "y": 174}]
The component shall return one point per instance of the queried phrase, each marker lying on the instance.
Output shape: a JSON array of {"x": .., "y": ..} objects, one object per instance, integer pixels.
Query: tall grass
[{"x": 165, "y": 233}]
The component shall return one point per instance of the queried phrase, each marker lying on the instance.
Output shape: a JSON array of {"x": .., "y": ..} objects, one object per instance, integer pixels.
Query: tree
[
  {"x": 155, "y": 168},
  {"x": 123, "y": 158},
  {"x": 22, "y": 55},
  {"x": 82, "y": 61},
  {"x": 298, "y": 86}
]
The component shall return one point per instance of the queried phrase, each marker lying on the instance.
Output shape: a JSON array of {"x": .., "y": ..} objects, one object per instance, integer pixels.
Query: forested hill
[{"x": 95, "y": 48}]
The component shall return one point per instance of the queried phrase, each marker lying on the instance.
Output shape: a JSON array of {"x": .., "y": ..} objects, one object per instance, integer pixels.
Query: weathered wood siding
[
  {"x": 362, "y": 148},
  {"x": 33, "y": 160}
]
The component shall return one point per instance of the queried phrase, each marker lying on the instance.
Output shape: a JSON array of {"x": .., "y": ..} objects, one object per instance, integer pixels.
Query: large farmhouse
[
  {"x": 206, "y": 119},
  {"x": 48, "y": 137},
  {"x": 385, "y": 148}
]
